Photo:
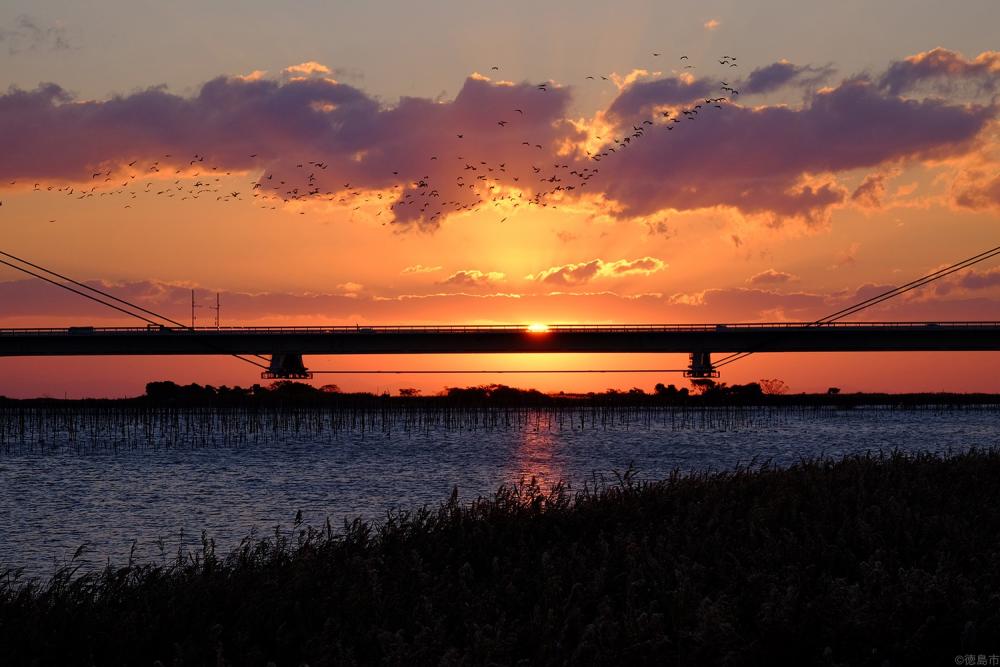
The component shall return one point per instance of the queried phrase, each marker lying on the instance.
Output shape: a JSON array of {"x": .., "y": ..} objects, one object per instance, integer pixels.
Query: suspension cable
[
  {"x": 118, "y": 308},
  {"x": 102, "y": 293},
  {"x": 884, "y": 296}
]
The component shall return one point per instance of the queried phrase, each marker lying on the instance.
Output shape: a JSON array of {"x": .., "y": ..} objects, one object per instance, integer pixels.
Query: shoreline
[{"x": 501, "y": 396}]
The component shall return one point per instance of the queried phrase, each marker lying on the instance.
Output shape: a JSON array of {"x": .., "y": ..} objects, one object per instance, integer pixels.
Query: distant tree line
[
  {"x": 288, "y": 392},
  {"x": 702, "y": 392}
]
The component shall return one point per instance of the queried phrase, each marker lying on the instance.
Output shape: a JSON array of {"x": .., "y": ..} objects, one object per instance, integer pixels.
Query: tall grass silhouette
[{"x": 886, "y": 559}]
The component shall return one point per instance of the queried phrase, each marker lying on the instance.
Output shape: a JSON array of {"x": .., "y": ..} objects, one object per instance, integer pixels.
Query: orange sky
[{"x": 805, "y": 193}]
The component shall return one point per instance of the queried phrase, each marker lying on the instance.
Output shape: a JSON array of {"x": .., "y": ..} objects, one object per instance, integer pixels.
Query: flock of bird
[{"x": 475, "y": 184}]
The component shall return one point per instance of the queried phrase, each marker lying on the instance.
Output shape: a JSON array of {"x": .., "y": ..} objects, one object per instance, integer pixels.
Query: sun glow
[{"x": 538, "y": 328}]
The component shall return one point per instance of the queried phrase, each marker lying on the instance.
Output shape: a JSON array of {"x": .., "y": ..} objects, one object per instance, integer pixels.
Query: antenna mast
[
  {"x": 193, "y": 306},
  {"x": 217, "y": 308}
]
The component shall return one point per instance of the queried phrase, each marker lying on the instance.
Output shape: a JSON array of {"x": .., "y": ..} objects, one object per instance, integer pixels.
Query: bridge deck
[{"x": 729, "y": 337}]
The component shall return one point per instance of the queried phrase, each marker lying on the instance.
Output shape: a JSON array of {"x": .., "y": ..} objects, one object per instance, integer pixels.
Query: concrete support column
[
  {"x": 701, "y": 366},
  {"x": 286, "y": 366}
]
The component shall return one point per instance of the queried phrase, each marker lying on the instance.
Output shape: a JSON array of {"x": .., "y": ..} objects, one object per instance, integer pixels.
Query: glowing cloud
[
  {"x": 473, "y": 278},
  {"x": 756, "y": 160},
  {"x": 581, "y": 273},
  {"x": 497, "y": 146},
  {"x": 306, "y": 69},
  {"x": 943, "y": 68},
  {"x": 420, "y": 268},
  {"x": 771, "y": 277}
]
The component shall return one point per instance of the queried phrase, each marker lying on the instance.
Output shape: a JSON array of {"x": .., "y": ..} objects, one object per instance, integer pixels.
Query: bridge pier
[
  {"x": 286, "y": 366},
  {"x": 701, "y": 366}
]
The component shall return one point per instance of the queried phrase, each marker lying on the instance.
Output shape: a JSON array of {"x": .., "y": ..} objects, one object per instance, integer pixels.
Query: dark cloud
[
  {"x": 980, "y": 279},
  {"x": 944, "y": 70},
  {"x": 313, "y": 138},
  {"x": 473, "y": 278},
  {"x": 640, "y": 97},
  {"x": 780, "y": 74},
  {"x": 977, "y": 191},
  {"x": 281, "y": 127},
  {"x": 754, "y": 159},
  {"x": 870, "y": 192},
  {"x": 569, "y": 275},
  {"x": 28, "y": 35},
  {"x": 658, "y": 228}
]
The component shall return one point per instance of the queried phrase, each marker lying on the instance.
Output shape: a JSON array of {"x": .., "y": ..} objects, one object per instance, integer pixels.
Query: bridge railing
[{"x": 487, "y": 328}]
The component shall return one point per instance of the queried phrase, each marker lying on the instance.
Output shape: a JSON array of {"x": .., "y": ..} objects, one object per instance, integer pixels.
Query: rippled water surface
[{"x": 107, "y": 481}]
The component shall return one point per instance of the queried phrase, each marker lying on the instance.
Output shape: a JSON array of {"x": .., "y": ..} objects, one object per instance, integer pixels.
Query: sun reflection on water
[{"x": 536, "y": 457}]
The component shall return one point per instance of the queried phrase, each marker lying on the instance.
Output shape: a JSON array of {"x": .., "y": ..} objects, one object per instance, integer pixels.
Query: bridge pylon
[
  {"x": 701, "y": 366},
  {"x": 286, "y": 366}
]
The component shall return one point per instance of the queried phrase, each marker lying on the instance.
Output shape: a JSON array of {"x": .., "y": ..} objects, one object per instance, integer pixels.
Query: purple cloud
[
  {"x": 980, "y": 279},
  {"x": 870, "y": 192},
  {"x": 780, "y": 74},
  {"x": 944, "y": 69},
  {"x": 640, "y": 97},
  {"x": 28, "y": 302},
  {"x": 312, "y": 138},
  {"x": 493, "y": 147},
  {"x": 28, "y": 35},
  {"x": 977, "y": 191},
  {"x": 754, "y": 159}
]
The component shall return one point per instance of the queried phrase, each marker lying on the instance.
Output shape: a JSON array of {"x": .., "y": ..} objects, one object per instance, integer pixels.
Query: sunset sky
[{"x": 420, "y": 163}]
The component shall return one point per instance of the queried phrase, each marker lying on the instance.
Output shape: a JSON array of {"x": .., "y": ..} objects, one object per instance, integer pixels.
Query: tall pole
[{"x": 192, "y": 309}]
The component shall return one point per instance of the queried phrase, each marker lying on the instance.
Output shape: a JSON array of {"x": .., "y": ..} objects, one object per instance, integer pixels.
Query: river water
[{"x": 107, "y": 482}]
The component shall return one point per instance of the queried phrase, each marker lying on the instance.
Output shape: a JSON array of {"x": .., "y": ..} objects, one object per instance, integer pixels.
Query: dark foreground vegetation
[{"x": 864, "y": 561}]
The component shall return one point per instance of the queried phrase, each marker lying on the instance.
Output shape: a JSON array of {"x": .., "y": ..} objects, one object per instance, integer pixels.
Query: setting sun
[{"x": 294, "y": 270}]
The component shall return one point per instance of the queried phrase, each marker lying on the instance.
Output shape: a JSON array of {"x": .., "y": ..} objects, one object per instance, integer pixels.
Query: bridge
[{"x": 287, "y": 345}]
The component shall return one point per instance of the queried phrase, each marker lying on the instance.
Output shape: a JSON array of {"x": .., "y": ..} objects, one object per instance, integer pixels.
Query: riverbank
[{"x": 850, "y": 562}]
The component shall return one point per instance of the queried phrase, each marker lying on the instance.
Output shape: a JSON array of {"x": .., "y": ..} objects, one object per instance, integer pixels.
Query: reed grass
[
  {"x": 137, "y": 424},
  {"x": 868, "y": 560}
]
